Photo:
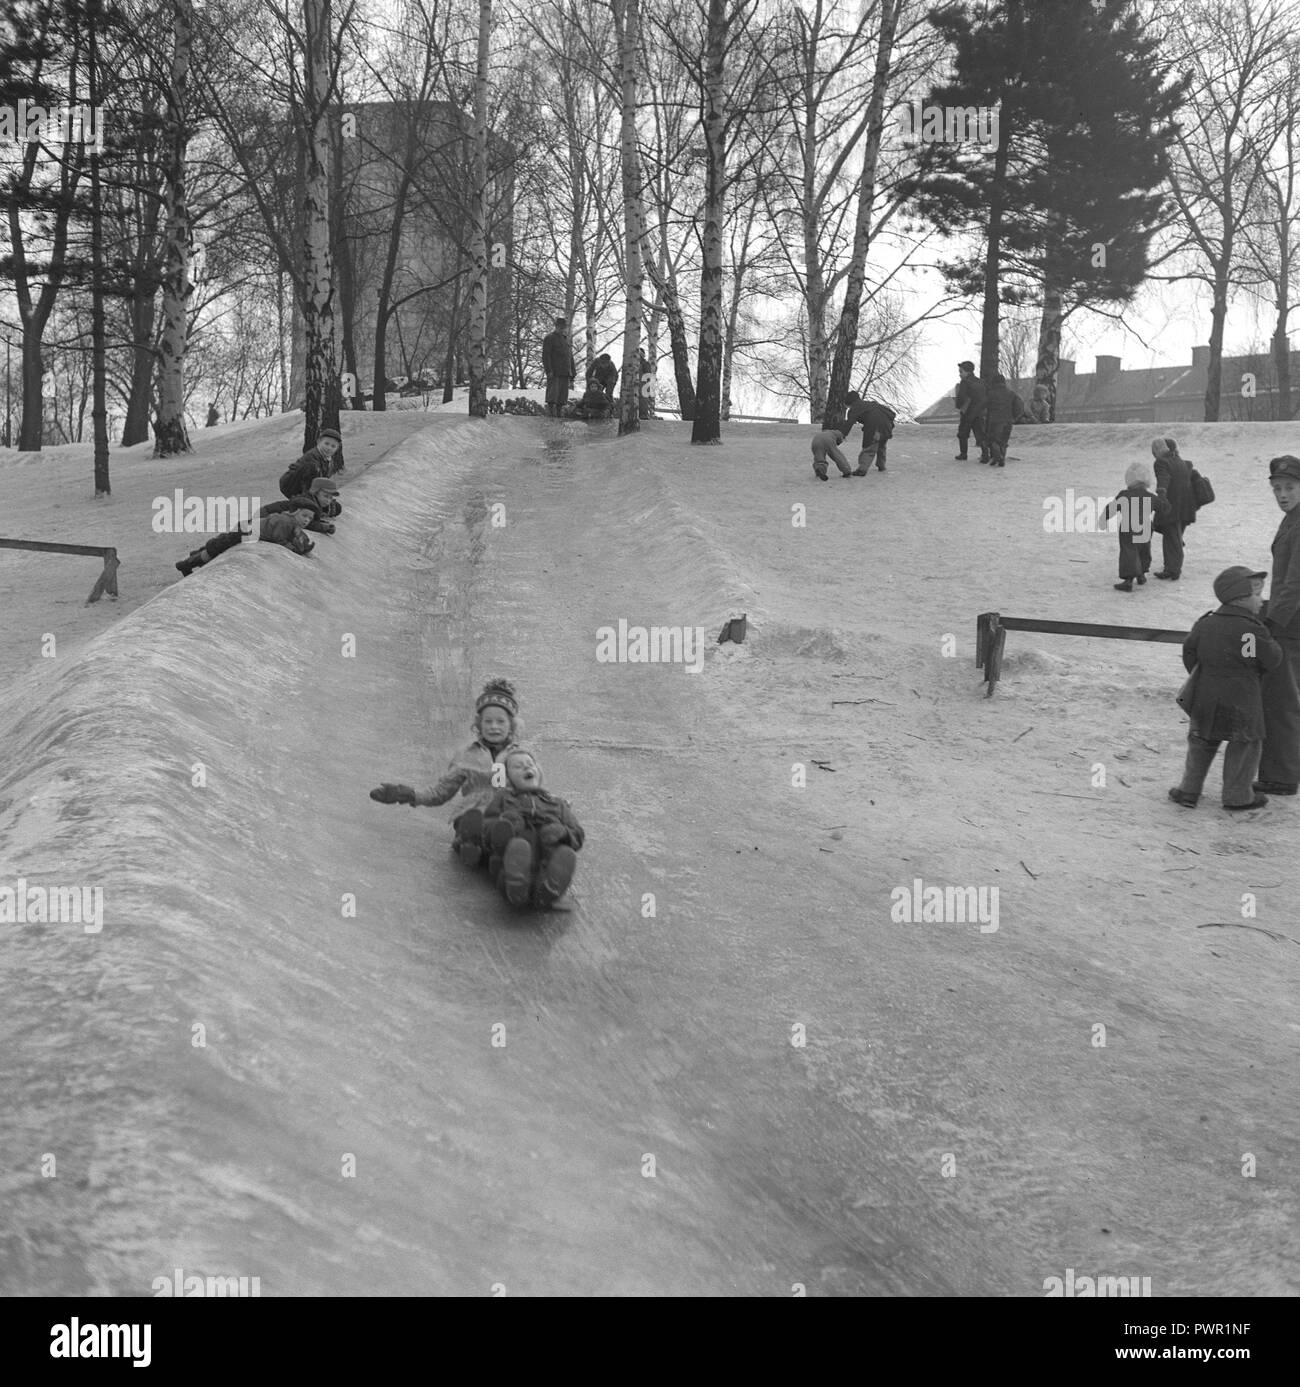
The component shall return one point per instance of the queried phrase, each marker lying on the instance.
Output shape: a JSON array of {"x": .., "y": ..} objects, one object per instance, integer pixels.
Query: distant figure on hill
[
  {"x": 1003, "y": 409},
  {"x": 645, "y": 378},
  {"x": 605, "y": 374},
  {"x": 213, "y": 416},
  {"x": 1040, "y": 407},
  {"x": 1174, "y": 483},
  {"x": 559, "y": 367},
  {"x": 970, "y": 399}
]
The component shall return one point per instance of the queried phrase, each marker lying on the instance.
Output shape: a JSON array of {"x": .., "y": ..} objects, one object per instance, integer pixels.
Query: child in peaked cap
[
  {"x": 532, "y": 835},
  {"x": 496, "y": 727},
  {"x": 1227, "y": 652}
]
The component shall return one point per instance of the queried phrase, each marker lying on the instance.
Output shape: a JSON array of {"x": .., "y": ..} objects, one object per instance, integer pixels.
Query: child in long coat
[
  {"x": 1139, "y": 511},
  {"x": 473, "y": 773},
  {"x": 324, "y": 460},
  {"x": 1228, "y": 651}
]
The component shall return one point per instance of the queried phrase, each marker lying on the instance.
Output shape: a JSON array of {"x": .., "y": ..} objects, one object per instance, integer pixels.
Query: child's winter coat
[
  {"x": 532, "y": 811},
  {"x": 1140, "y": 511},
  {"x": 312, "y": 464},
  {"x": 1226, "y": 705},
  {"x": 470, "y": 772}
]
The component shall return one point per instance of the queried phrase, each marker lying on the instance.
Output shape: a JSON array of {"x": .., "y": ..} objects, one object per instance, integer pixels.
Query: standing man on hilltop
[{"x": 559, "y": 367}]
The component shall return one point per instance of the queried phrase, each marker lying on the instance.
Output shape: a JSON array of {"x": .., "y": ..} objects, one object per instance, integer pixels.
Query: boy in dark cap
[
  {"x": 1227, "y": 652},
  {"x": 970, "y": 399},
  {"x": 323, "y": 460},
  {"x": 1279, "y": 767}
]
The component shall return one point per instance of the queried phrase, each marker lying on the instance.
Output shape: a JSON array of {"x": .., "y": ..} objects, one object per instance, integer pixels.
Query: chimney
[
  {"x": 1200, "y": 358},
  {"x": 1107, "y": 368}
]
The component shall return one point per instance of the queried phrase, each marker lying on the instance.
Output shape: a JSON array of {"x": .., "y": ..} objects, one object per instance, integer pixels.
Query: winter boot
[
  {"x": 1257, "y": 803},
  {"x": 195, "y": 560},
  {"x": 1125, "y": 586},
  {"x": 1275, "y": 787},
  {"x": 556, "y": 876},
  {"x": 517, "y": 870},
  {"x": 1183, "y": 797}
]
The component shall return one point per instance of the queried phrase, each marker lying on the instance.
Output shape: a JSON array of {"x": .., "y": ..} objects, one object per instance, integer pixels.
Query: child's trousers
[{"x": 1240, "y": 764}]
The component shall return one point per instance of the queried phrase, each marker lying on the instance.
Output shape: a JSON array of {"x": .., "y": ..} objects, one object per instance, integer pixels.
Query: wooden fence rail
[
  {"x": 107, "y": 580},
  {"x": 991, "y": 637}
]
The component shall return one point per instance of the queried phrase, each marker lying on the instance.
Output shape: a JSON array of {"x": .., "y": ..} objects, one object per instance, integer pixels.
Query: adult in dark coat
[
  {"x": 971, "y": 399},
  {"x": 1230, "y": 649},
  {"x": 559, "y": 367},
  {"x": 1279, "y": 766},
  {"x": 1174, "y": 483},
  {"x": 1003, "y": 409}
]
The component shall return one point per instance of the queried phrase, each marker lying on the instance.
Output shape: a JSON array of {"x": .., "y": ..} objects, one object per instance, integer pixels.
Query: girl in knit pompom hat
[{"x": 475, "y": 772}]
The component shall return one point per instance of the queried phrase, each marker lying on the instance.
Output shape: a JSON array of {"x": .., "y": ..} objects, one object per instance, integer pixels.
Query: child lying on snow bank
[
  {"x": 496, "y": 728},
  {"x": 308, "y": 512}
]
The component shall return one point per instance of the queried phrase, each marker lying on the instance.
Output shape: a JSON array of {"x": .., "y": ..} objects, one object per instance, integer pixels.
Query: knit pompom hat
[
  {"x": 498, "y": 693},
  {"x": 1138, "y": 473}
]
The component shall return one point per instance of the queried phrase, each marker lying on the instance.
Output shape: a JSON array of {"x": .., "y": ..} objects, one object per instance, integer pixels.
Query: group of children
[
  {"x": 525, "y": 837},
  {"x": 311, "y": 503}
]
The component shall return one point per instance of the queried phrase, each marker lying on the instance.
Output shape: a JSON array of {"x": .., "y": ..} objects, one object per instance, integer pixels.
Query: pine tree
[{"x": 1068, "y": 196}]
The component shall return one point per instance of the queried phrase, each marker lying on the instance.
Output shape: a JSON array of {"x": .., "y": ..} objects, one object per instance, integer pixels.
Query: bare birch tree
[{"x": 170, "y": 434}]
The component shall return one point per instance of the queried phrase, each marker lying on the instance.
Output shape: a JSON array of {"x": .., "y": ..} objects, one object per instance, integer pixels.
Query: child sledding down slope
[
  {"x": 497, "y": 726},
  {"x": 532, "y": 835}
]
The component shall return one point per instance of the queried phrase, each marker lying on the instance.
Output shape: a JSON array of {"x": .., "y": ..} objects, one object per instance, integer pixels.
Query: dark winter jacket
[
  {"x": 531, "y": 810},
  {"x": 470, "y": 773},
  {"x": 284, "y": 529},
  {"x": 1226, "y": 703},
  {"x": 557, "y": 356},
  {"x": 605, "y": 374},
  {"x": 971, "y": 398},
  {"x": 322, "y": 509},
  {"x": 877, "y": 420},
  {"x": 1174, "y": 483},
  {"x": 1283, "y": 609},
  {"x": 298, "y": 479},
  {"x": 1004, "y": 406}
]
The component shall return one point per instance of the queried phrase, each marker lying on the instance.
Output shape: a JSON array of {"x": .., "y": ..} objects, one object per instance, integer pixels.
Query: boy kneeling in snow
[{"x": 532, "y": 835}]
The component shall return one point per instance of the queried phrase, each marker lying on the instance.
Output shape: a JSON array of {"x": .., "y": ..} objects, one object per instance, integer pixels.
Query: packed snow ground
[{"x": 951, "y": 1123}]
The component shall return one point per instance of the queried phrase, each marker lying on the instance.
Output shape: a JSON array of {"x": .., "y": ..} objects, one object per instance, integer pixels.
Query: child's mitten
[
  {"x": 389, "y": 793},
  {"x": 552, "y": 835}
]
